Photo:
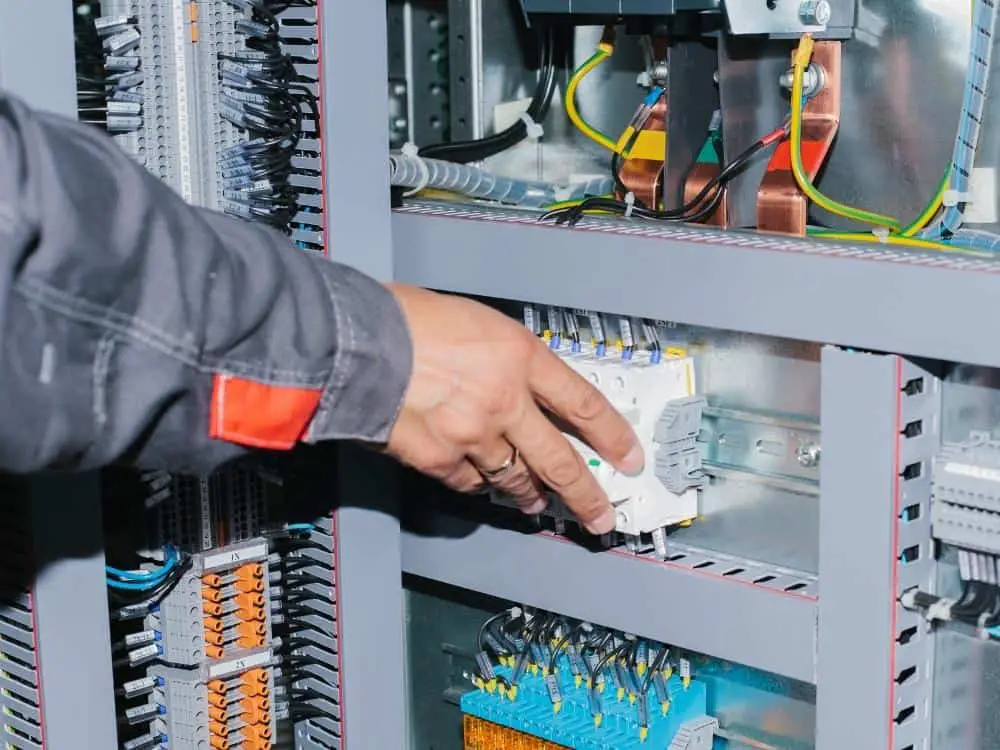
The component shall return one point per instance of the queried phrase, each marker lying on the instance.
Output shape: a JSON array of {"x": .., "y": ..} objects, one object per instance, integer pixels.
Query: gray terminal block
[
  {"x": 965, "y": 500},
  {"x": 184, "y": 702},
  {"x": 179, "y": 621},
  {"x": 678, "y": 460}
]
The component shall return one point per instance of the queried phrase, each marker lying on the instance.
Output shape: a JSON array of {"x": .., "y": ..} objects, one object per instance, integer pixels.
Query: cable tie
[
  {"x": 535, "y": 130},
  {"x": 410, "y": 151},
  {"x": 629, "y": 204},
  {"x": 882, "y": 234},
  {"x": 954, "y": 197}
]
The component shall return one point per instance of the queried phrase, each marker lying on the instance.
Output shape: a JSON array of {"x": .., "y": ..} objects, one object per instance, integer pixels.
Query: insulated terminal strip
[
  {"x": 154, "y": 37},
  {"x": 544, "y": 677},
  {"x": 267, "y": 92},
  {"x": 655, "y": 392},
  {"x": 205, "y": 647},
  {"x": 304, "y": 596},
  {"x": 231, "y": 710},
  {"x": 965, "y": 500},
  {"x": 109, "y": 72}
]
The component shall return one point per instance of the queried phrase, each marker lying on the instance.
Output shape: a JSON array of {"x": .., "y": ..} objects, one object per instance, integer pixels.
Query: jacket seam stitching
[{"x": 141, "y": 331}]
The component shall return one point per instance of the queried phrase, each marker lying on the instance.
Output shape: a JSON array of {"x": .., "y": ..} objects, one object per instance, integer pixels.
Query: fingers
[
  {"x": 571, "y": 398},
  {"x": 506, "y": 471},
  {"x": 559, "y": 466},
  {"x": 465, "y": 478}
]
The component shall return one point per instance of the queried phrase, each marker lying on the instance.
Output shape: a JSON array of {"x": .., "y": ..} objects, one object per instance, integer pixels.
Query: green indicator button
[{"x": 594, "y": 462}]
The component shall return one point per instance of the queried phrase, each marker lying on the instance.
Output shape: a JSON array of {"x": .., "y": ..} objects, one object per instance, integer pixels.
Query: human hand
[{"x": 474, "y": 413}]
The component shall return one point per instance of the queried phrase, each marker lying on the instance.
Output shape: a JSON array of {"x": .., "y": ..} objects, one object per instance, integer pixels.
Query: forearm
[{"x": 137, "y": 327}]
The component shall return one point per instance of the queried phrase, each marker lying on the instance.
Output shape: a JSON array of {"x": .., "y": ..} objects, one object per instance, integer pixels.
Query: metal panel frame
[
  {"x": 861, "y": 296},
  {"x": 776, "y": 629},
  {"x": 69, "y": 594},
  {"x": 875, "y": 469},
  {"x": 70, "y": 599},
  {"x": 370, "y": 594}
]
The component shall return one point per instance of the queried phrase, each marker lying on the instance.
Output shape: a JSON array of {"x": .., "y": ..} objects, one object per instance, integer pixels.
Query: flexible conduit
[
  {"x": 963, "y": 159},
  {"x": 416, "y": 172}
]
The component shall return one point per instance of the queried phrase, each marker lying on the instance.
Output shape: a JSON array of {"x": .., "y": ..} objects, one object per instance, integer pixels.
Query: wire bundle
[
  {"x": 979, "y": 603},
  {"x": 305, "y": 624},
  {"x": 973, "y": 110},
  {"x": 464, "y": 152},
  {"x": 108, "y": 72},
  {"x": 136, "y": 642},
  {"x": 263, "y": 95},
  {"x": 599, "y": 659},
  {"x": 696, "y": 209}
]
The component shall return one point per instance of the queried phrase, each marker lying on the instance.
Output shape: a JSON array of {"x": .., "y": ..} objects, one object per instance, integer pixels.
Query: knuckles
[
  {"x": 589, "y": 403},
  {"x": 562, "y": 471}
]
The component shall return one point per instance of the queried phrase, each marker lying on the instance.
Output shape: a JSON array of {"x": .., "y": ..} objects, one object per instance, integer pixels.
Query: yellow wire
[
  {"x": 932, "y": 208},
  {"x": 604, "y": 51},
  {"x": 897, "y": 240},
  {"x": 802, "y": 56}
]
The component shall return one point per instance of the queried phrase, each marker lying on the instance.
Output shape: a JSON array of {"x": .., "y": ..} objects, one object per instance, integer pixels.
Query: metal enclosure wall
[{"x": 62, "y": 608}]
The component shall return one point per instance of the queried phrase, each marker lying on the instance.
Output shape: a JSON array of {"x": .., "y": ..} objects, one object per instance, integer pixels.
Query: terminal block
[
  {"x": 306, "y": 610},
  {"x": 214, "y": 631},
  {"x": 965, "y": 501},
  {"x": 231, "y": 709},
  {"x": 658, "y": 400},
  {"x": 621, "y": 723}
]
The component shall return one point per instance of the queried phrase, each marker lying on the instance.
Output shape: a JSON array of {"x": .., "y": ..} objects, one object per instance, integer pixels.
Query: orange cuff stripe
[{"x": 258, "y": 415}]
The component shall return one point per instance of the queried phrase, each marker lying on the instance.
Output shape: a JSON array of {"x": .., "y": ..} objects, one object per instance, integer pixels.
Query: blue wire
[
  {"x": 300, "y": 527},
  {"x": 136, "y": 581}
]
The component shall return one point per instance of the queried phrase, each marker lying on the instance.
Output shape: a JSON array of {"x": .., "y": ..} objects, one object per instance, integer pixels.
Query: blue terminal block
[{"x": 573, "y": 725}]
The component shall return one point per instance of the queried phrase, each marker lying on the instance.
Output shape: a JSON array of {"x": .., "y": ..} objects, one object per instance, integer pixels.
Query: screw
[
  {"x": 813, "y": 80},
  {"x": 815, "y": 12},
  {"x": 398, "y": 89},
  {"x": 808, "y": 455}
]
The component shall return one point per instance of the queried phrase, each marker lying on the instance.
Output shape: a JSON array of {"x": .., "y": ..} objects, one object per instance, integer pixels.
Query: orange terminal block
[
  {"x": 248, "y": 585},
  {"x": 250, "y": 571},
  {"x": 214, "y": 624},
  {"x": 256, "y": 710},
  {"x": 218, "y": 686}
]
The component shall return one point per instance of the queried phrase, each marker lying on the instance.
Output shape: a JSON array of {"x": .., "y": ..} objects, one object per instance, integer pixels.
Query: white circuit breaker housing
[{"x": 657, "y": 399}]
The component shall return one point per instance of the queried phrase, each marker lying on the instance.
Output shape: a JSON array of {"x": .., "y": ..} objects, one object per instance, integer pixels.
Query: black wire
[
  {"x": 463, "y": 152},
  {"x": 692, "y": 211}
]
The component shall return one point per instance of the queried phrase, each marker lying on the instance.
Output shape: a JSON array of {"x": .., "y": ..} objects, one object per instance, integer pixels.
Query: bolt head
[
  {"x": 815, "y": 12},
  {"x": 808, "y": 455}
]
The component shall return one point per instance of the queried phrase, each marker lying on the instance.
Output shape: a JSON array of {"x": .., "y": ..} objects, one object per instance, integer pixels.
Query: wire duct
[
  {"x": 973, "y": 109},
  {"x": 418, "y": 173}
]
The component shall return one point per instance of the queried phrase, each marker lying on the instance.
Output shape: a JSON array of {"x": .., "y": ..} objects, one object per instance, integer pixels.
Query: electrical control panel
[{"x": 702, "y": 202}]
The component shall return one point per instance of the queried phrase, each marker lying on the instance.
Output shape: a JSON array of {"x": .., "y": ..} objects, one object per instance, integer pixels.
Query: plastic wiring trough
[
  {"x": 738, "y": 620},
  {"x": 775, "y": 286}
]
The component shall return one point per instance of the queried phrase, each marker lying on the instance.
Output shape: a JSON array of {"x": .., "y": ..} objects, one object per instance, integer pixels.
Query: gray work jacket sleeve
[{"x": 138, "y": 328}]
